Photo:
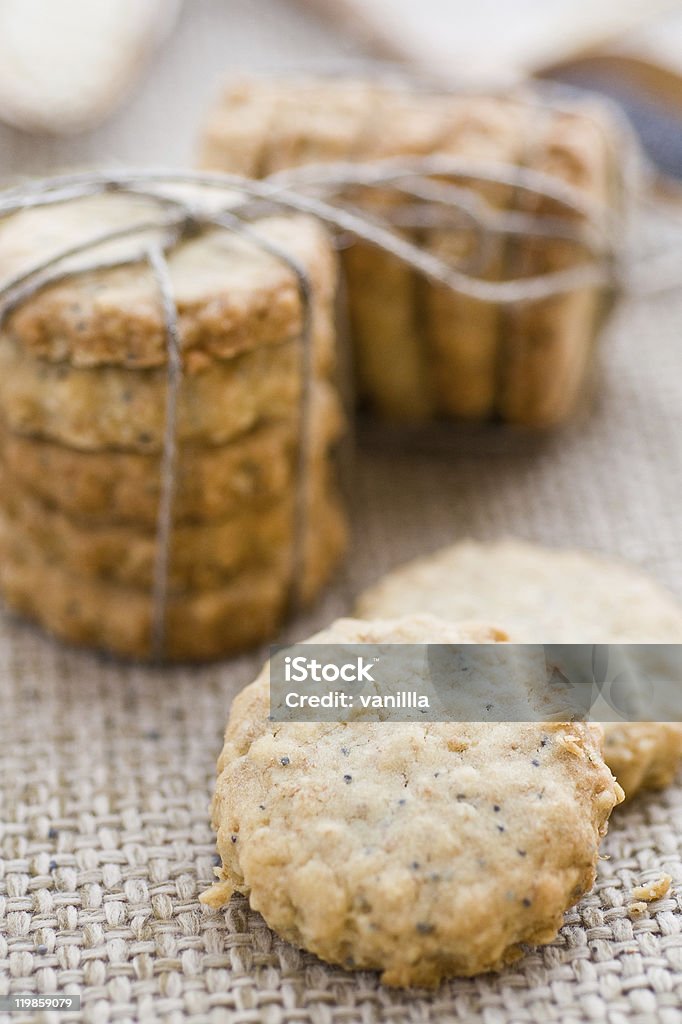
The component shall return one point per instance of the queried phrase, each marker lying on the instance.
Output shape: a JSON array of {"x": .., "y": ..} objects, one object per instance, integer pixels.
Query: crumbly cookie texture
[
  {"x": 420, "y": 349},
  {"x": 231, "y": 295},
  {"x": 200, "y": 625},
  {"x": 421, "y": 850},
  {"x": 654, "y": 890},
  {"x": 544, "y": 595},
  {"x": 84, "y": 417},
  {"x": 212, "y": 482},
  {"x": 202, "y": 555},
  {"x": 114, "y": 407},
  {"x": 643, "y": 755}
]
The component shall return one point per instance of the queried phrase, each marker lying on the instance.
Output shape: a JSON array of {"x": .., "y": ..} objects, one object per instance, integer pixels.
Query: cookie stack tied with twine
[
  {"x": 168, "y": 415},
  {"x": 500, "y": 188}
]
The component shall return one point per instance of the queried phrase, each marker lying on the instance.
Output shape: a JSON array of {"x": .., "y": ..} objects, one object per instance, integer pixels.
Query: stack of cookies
[
  {"x": 84, "y": 388},
  {"x": 422, "y": 351}
]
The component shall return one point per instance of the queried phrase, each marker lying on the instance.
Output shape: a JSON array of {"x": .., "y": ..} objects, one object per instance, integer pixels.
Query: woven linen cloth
[{"x": 106, "y": 769}]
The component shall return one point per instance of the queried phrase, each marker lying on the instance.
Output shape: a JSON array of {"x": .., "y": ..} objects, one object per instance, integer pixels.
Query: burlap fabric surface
[{"x": 106, "y": 770}]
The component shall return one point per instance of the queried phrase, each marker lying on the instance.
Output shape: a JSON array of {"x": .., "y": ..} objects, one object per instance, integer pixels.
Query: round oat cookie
[
  {"x": 422, "y": 850},
  {"x": 545, "y": 595}
]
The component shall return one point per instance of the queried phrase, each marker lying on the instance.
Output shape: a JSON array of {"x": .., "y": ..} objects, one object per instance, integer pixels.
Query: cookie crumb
[
  {"x": 216, "y": 895},
  {"x": 651, "y": 891},
  {"x": 637, "y": 909}
]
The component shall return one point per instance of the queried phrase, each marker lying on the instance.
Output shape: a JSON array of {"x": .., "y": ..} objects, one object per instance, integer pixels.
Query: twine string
[
  {"x": 599, "y": 273},
  {"x": 439, "y": 197},
  {"x": 395, "y": 169},
  {"x": 49, "y": 271},
  {"x": 79, "y": 185},
  {"x": 158, "y": 263},
  {"x": 521, "y": 290}
]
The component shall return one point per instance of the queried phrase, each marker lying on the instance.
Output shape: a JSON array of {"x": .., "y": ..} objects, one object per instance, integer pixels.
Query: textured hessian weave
[{"x": 107, "y": 769}]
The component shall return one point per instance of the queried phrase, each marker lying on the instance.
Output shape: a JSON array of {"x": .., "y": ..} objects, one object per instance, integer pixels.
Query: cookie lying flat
[
  {"x": 422, "y": 850},
  {"x": 550, "y": 596}
]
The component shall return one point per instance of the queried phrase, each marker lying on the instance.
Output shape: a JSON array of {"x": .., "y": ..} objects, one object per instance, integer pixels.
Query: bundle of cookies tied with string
[
  {"x": 523, "y": 197},
  {"x": 168, "y": 400},
  {"x": 168, "y": 417}
]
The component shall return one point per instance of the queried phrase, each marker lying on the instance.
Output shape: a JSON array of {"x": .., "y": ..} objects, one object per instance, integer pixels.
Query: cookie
[
  {"x": 463, "y": 333},
  {"x": 94, "y": 408},
  {"x": 385, "y": 294},
  {"x": 386, "y": 312},
  {"x": 422, "y": 850},
  {"x": 643, "y": 755},
  {"x": 258, "y": 126},
  {"x": 212, "y": 483},
  {"x": 314, "y": 120},
  {"x": 543, "y": 595},
  {"x": 548, "y": 346},
  {"x": 202, "y": 555},
  {"x": 247, "y": 609},
  {"x": 231, "y": 296},
  {"x": 242, "y": 125}
]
